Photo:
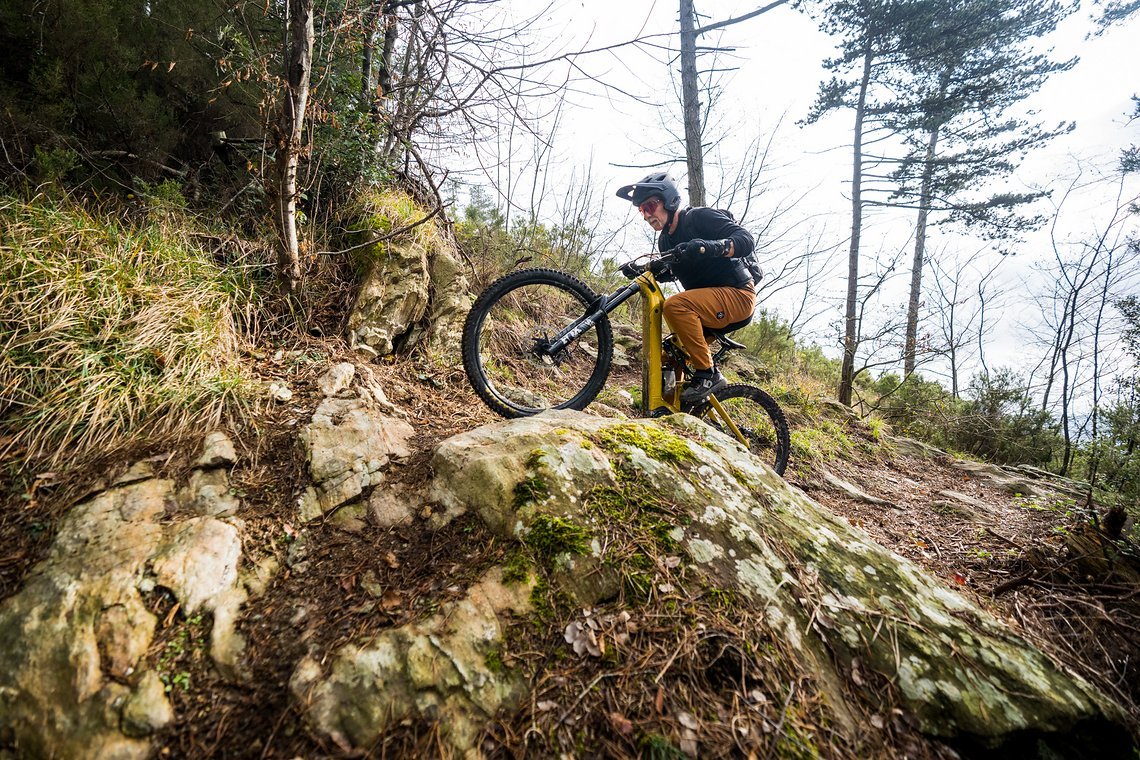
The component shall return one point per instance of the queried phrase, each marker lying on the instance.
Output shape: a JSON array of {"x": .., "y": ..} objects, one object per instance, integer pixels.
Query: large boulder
[
  {"x": 413, "y": 287},
  {"x": 856, "y": 616}
]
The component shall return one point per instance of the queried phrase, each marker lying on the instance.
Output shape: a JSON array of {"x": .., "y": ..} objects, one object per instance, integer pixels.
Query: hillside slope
[{"x": 379, "y": 561}]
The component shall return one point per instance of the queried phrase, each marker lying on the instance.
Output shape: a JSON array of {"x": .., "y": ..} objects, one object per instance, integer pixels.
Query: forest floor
[{"x": 1013, "y": 555}]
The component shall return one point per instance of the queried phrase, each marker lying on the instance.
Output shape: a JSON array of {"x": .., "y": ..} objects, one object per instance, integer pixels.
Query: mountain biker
[{"x": 718, "y": 288}]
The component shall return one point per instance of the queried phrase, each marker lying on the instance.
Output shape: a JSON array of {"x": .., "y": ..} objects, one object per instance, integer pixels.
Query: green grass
[{"x": 110, "y": 331}]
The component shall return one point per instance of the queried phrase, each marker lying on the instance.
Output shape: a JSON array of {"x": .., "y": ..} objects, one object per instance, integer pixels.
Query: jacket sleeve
[
  {"x": 665, "y": 243},
  {"x": 710, "y": 224}
]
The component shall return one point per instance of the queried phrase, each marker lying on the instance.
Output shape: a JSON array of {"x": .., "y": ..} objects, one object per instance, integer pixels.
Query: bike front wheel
[
  {"x": 759, "y": 419},
  {"x": 506, "y": 330}
]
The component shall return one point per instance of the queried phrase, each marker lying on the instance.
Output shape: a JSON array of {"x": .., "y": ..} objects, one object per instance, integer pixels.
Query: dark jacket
[{"x": 709, "y": 271}]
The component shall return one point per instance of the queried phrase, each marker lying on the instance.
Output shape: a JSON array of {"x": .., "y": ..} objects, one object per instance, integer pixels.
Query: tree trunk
[
  {"x": 384, "y": 74},
  {"x": 850, "y": 331},
  {"x": 366, "y": 54},
  {"x": 919, "y": 256},
  {"x": 298, "y": 67},
  {"x": 691, "y": 107},
  {"x": 954, "y": 344}
]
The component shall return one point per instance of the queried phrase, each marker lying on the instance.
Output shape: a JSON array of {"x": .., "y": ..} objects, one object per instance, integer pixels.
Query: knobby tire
[{"x": 499, "y": 332}]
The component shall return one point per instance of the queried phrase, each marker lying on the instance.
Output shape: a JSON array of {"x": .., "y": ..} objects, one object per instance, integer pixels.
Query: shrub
[
  {"x": 769, "y": 339},
  {"x": 998, "y": 420}
]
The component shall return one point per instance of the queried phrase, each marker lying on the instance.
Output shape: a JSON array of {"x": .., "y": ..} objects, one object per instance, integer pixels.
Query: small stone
[
  {"x": 371, "y": 584},
  {"x": 208, "y": 493},
  {"x": 366, "y": 350},
  {"x": 309, "y": 505},
  {"x": 147, "y": 709},
  {"x": 227, "y": 646},
  {"x": 390, "y": 507},
  {"x": 279, "y": 391},
  {"x": 217, "y": 451},
  {"x": 256, "y": 579},
  {"x": 351, "y": 518}
]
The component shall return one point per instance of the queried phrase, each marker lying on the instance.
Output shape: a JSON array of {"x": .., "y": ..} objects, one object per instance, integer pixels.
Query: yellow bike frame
[{"x": 652, "y": 366}]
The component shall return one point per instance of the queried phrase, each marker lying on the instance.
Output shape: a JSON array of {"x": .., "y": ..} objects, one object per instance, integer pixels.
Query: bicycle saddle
[{"x": 721, "y": 333}]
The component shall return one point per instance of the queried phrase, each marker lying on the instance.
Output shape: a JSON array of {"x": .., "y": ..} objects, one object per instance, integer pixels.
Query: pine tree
[
  {"x": 971, "y": 63},
  {"x": 873, "y": 35}
]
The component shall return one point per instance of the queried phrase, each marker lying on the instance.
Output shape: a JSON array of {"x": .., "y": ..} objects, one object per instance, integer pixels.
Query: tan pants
[{"x": 688, "y": 313}]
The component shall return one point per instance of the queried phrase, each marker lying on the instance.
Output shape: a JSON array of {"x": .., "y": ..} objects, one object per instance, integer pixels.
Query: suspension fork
[
  {"x": 601, "y": 306},
  {"x": 723, "y": 414}
]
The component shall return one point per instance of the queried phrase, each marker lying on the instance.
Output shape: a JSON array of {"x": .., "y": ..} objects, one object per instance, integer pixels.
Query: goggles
[{"x": 649, "y": 207}]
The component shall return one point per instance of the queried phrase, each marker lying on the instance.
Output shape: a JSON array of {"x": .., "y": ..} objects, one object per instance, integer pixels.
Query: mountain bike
[{"x": 540, "y": 339}]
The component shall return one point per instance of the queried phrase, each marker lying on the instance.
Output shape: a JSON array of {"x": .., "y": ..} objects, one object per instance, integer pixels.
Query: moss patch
[
  {"x": 517, "y": 567},
  {"x": 550, "y": 536},
  {"x": 655, "y": 442},
  {"x": 532, "y": 489}
]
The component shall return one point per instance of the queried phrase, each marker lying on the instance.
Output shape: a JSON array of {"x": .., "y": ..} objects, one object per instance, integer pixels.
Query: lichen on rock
[
  {"x": 823, "y": 586},
  {"x": 73, "y": 676},
  {"x": 413, "y": 287},
  {"x": 443, "y": 669}
]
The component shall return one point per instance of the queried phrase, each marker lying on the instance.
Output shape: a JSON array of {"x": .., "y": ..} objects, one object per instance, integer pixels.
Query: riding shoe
[{"x": 705, "y": 382}]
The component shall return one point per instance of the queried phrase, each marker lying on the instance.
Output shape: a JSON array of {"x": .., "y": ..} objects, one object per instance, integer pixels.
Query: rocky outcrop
[
  {"x": 911, "y": 447},
  {"x": 446, "y": 669},
  {"x": 850, "y": 490},
  {"x": 842, "y": 602},
  {"x": 413, "y": 288},
  {"x": 1008, "y": 480},
  {"x": 73, "y": 678},
  {"x": 349, "y": 441}
]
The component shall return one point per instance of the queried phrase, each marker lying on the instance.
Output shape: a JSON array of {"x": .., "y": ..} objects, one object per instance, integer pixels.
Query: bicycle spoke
[
  {"x": 758, "y": 419},
  {"x": 507, "y": 334}
]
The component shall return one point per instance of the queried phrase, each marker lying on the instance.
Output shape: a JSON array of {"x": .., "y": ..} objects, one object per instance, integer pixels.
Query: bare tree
[
  {"x": 876, "y": 332},
  {"x": 1087, "y": 276},
  {"x": 288, "y": 138},
  {"x": 961, "y": 297},
  {"x": 691, "y": 107}
]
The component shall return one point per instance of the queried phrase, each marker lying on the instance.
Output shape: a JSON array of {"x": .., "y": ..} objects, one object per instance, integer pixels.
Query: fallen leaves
[{"x": 589, "y": 635}]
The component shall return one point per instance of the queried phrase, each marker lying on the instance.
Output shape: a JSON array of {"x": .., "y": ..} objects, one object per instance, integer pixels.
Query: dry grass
[{"x": 110, "y": 331}]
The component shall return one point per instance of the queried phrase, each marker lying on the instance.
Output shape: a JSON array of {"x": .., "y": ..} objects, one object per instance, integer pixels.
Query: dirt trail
[{"x": 1009, "y": 553}]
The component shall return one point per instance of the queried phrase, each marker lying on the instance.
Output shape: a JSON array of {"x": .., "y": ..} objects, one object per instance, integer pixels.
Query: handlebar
[{"x": 657, "y": 266}]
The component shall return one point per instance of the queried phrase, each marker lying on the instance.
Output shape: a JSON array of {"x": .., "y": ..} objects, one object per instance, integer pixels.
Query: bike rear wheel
[
  {"x": 504, "y": 333},
  {"x": 758, "y": 417}
]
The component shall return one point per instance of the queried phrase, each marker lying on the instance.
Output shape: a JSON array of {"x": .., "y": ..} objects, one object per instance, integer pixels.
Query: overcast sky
[{"x": 623, "y": 118}]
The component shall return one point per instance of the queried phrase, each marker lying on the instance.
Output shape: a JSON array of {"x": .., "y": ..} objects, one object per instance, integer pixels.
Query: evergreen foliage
[{"x": 970, "y": 65}]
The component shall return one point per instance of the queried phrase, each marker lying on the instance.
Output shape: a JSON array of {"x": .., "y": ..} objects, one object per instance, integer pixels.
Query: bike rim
[{"x": 511, "y": 330}]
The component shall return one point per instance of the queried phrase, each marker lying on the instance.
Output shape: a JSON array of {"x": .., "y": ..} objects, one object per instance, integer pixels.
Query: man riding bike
[{"x": 718, "y": 287}]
